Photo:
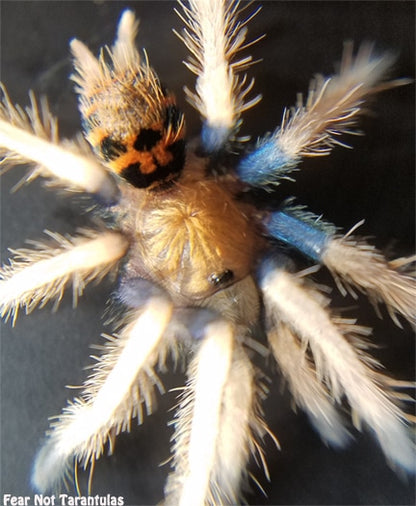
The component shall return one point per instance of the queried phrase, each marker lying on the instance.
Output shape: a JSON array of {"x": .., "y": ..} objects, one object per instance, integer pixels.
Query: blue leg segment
[
  {"x": 214, "y": 138},
  {"x": 266, "y": 164},
  {"x": 308, "y": 239}
]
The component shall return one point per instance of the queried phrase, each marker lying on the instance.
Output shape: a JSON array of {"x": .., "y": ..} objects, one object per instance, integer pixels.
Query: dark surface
[{"x": 46, "y": 351}]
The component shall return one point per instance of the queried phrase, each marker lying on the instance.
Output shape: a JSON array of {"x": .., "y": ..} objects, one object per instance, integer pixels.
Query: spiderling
[{"x": 200, "y": 266}]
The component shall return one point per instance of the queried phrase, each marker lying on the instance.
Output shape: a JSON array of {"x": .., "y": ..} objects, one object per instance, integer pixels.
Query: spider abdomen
[
  {"x": 143, "y": 153},
  {"x": 130, "y": 120}
]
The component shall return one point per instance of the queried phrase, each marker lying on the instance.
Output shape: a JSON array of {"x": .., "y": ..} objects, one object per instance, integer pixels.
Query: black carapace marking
[
  {"x": 133, "y": 174},
  {"x": 111, "y": 149},
  {"x": 147, "y": 139}
]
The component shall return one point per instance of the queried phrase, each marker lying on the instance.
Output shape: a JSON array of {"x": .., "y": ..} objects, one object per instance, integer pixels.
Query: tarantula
[{"x": 200, "y": 262}]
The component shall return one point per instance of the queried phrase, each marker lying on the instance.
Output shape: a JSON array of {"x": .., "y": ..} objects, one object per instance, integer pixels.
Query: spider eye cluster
[{"x": 221, "y": 278}]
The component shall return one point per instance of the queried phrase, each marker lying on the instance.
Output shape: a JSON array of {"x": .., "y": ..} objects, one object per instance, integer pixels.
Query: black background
[{"x": 46, "y": 351}]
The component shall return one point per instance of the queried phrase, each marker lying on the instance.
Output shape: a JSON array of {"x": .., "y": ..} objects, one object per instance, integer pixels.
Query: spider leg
[
  {"x": 336, "y": 353},
  {"x": 352, "y": 261},
  {"x": 218, "y": 423},
  {"x": 313, "y": 128},
  {"x": 35, "y": 276},
  {"x": 31, "y": 136},
  {"x": 307, "y": 390},
  {"x": 121, "y": 385},
  {"x": 214, "y": 36}
]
